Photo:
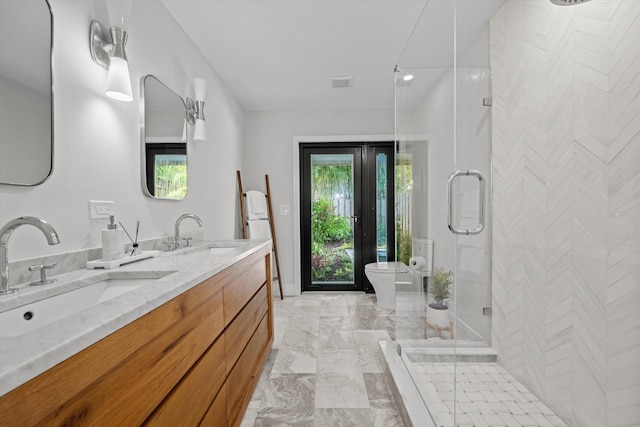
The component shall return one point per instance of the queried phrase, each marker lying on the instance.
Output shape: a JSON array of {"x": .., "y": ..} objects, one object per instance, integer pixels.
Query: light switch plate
[{"x": 284, "y": 209}]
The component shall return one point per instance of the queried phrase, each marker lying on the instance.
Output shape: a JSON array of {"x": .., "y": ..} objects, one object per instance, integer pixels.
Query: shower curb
[{"x": 411, "y": 408}]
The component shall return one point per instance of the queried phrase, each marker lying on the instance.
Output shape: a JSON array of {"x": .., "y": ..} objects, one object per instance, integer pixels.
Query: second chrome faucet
[{"x": 181, "y": 218}]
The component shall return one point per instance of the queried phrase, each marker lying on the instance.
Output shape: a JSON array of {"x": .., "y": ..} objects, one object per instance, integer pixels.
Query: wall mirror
[
  {"x": 164, "y": 146},
  {"x": 26, "y": 104}
]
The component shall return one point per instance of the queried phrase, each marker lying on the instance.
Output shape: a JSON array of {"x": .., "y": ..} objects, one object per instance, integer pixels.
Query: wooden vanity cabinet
[{"x": 193, "y": 361}]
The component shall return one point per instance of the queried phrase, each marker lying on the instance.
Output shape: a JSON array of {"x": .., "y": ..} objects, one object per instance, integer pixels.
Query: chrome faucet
[
  {"x": 177, "y": 226},
  {"x": 6, "y": 231}
]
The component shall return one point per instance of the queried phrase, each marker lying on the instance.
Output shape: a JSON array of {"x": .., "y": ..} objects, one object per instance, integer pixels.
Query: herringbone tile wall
[{"x": 566, "y": 205}]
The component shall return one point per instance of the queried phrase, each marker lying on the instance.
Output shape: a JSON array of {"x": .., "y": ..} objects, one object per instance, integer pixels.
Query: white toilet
[{"x": 384, "y": 275}]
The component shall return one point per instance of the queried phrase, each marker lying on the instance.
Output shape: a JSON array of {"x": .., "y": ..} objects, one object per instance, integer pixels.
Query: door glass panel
[
  {"x": 381, "y": 207},
  {"x": 332, "y": 209}
]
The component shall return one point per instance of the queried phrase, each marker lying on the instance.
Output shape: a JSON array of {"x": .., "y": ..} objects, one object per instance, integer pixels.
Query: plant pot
[{"x": 438, "y": 315}]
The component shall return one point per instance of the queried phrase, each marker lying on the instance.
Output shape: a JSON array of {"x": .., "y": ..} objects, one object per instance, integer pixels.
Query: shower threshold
[{"x": 486, "y": 394}]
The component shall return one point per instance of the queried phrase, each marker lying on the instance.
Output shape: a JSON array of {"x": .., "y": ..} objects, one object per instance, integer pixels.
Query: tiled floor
[{"x": 325, "y": 367}]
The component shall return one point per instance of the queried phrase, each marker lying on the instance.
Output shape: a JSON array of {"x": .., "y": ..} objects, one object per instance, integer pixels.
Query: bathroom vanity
[{"x": 186, "y": 350}]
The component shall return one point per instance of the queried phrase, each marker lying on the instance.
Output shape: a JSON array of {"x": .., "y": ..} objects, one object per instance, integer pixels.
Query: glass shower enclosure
[{"x": 443, "y": 184}]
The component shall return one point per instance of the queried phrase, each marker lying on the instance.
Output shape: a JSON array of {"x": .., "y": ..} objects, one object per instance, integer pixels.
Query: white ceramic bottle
[{"x": 112, "y": 241}]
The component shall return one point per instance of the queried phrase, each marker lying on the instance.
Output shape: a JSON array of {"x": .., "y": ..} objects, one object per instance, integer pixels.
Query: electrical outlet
[
  {"x": 284, "y": 209},
  {"x": 101, "y": 209}
]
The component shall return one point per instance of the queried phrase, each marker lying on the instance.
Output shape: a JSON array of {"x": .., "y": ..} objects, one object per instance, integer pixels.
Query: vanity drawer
[
  {"x": 244, "y": 375},
  {"x": 240, "y": 330},
  {"x": 240, "y": 282},
  {"x": 217, "y": 414},
  {"x": 190, "y": 399}
]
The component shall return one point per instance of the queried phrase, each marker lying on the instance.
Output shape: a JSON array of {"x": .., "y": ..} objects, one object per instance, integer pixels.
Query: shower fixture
[{"x": 568, "y": 2}]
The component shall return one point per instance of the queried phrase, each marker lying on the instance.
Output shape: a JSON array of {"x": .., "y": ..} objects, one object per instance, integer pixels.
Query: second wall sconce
[
  {"x": 195, "y": 110},
  {"x": 107, "y": 50}
]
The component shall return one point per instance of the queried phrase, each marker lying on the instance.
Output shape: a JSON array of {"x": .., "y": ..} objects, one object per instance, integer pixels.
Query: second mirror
[{"x": 164, "y": 146}]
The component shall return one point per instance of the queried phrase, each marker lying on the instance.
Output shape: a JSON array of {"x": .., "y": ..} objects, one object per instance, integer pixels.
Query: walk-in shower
[{"x": 444, "y": 188}]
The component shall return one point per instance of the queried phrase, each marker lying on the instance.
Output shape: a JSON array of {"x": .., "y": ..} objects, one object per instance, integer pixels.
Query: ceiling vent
[{"x": 341, "y": 82}]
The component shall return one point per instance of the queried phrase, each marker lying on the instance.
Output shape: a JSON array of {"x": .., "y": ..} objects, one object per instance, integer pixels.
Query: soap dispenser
[{"x": 112, "y": 241}]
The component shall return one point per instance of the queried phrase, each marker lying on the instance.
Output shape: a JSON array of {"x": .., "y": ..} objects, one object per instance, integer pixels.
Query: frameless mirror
[
  {"x": 164, "y": 147},
  {"x": 26, "y": 107}
]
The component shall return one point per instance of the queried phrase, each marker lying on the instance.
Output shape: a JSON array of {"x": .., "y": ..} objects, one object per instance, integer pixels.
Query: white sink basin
[
  {"x": 84, "y": 294},
  {"x": 217, "y": 248},
  {"x": 220, "y": 251}
]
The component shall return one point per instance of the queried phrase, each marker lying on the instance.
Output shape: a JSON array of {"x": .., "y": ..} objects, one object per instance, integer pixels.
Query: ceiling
[{"x": 281, "y": 54}]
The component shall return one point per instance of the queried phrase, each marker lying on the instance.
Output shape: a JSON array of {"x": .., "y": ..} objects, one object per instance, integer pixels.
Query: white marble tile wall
[{"x": 566, "y": 205}]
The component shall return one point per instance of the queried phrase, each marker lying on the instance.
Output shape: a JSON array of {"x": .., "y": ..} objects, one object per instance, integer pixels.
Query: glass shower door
[{"x": 443, "y": 182}]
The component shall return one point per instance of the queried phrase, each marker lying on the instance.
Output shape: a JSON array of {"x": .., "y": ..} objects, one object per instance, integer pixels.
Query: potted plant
[{"x": 440, "y": 290}]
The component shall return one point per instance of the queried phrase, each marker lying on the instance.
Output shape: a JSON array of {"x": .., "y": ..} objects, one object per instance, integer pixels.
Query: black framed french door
[{"x": 346, "y": 213}]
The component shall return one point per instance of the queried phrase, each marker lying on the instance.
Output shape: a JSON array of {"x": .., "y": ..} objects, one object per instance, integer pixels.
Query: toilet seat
[{"x": 386, "y": 267}]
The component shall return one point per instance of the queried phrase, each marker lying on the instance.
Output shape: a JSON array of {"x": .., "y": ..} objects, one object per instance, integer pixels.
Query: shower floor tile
[{"x": 486, "y": 395}]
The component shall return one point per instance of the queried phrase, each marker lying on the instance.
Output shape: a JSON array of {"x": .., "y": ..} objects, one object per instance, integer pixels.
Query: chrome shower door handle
[{"x": 452, "y": 178}]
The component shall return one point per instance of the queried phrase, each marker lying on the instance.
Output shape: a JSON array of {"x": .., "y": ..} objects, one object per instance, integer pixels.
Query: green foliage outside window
[
  {"x": 171, "y": 180},
  {"x": 326, "y": 226},
  {"x": 331, "y": 235}
]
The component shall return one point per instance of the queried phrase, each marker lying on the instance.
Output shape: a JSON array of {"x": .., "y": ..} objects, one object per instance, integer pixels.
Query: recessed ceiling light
[{"x": 407, "y": 77}]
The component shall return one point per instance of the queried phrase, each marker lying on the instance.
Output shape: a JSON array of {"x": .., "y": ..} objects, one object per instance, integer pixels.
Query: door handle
[
  {"x": 355, "y": 218},
  {"x": 478, "y": 229}
]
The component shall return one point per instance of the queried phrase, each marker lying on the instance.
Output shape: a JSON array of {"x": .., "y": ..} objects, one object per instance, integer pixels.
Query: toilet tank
[{"x": 424, "y": 248}]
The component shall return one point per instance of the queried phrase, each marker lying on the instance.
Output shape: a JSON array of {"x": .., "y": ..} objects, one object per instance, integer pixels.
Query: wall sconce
[
  {"x": 107, "y": 50},
  {"x": 195, "y": 110}
]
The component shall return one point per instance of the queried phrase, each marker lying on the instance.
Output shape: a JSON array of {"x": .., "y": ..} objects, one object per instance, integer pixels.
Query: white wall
[
  {"x": 566, "y": 156},
  {"x": 97, "y": 140},
  {"x": 269, "y": 150}
]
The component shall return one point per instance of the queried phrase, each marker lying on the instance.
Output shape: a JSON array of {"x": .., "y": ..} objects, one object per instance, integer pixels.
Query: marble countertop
[{"x": 25, "y": 356}]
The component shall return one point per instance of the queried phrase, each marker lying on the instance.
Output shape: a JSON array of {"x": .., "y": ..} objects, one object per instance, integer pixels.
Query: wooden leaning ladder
[{"x": 271, "y": 225}]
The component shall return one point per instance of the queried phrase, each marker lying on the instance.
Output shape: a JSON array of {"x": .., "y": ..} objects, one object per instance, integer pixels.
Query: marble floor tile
[
  {"x": 335, "y": 333},
  {"x": 378, "y": 391},
  {"x": 335, "y": 323},
  {"x": 360, "y": 299},
  {"x": 267, "y": 421},
  {"x": 295, "y": 361},
  {"x": 309, "y": 322},
  {"x": 288, "y": 398},
  {"x": 366, "y": 344},
  {"x": 331, "y": 306},
  {"x": 280, "y": 324},
  {"x": 314, "y": 374},
  {"x": 338, "y": 360},
  {"x": 298, "y": 352},
  {"x": 385, "y": 418},
  {"x": 341, "y": 417},
  {"x": 341, "y": 390},
  {"x": 256, "y": 398},
  {"x": 249, "y": 418}
]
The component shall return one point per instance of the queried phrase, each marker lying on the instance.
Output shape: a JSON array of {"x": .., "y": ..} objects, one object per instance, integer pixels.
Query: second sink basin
[{"x": 90, "y": 292}]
